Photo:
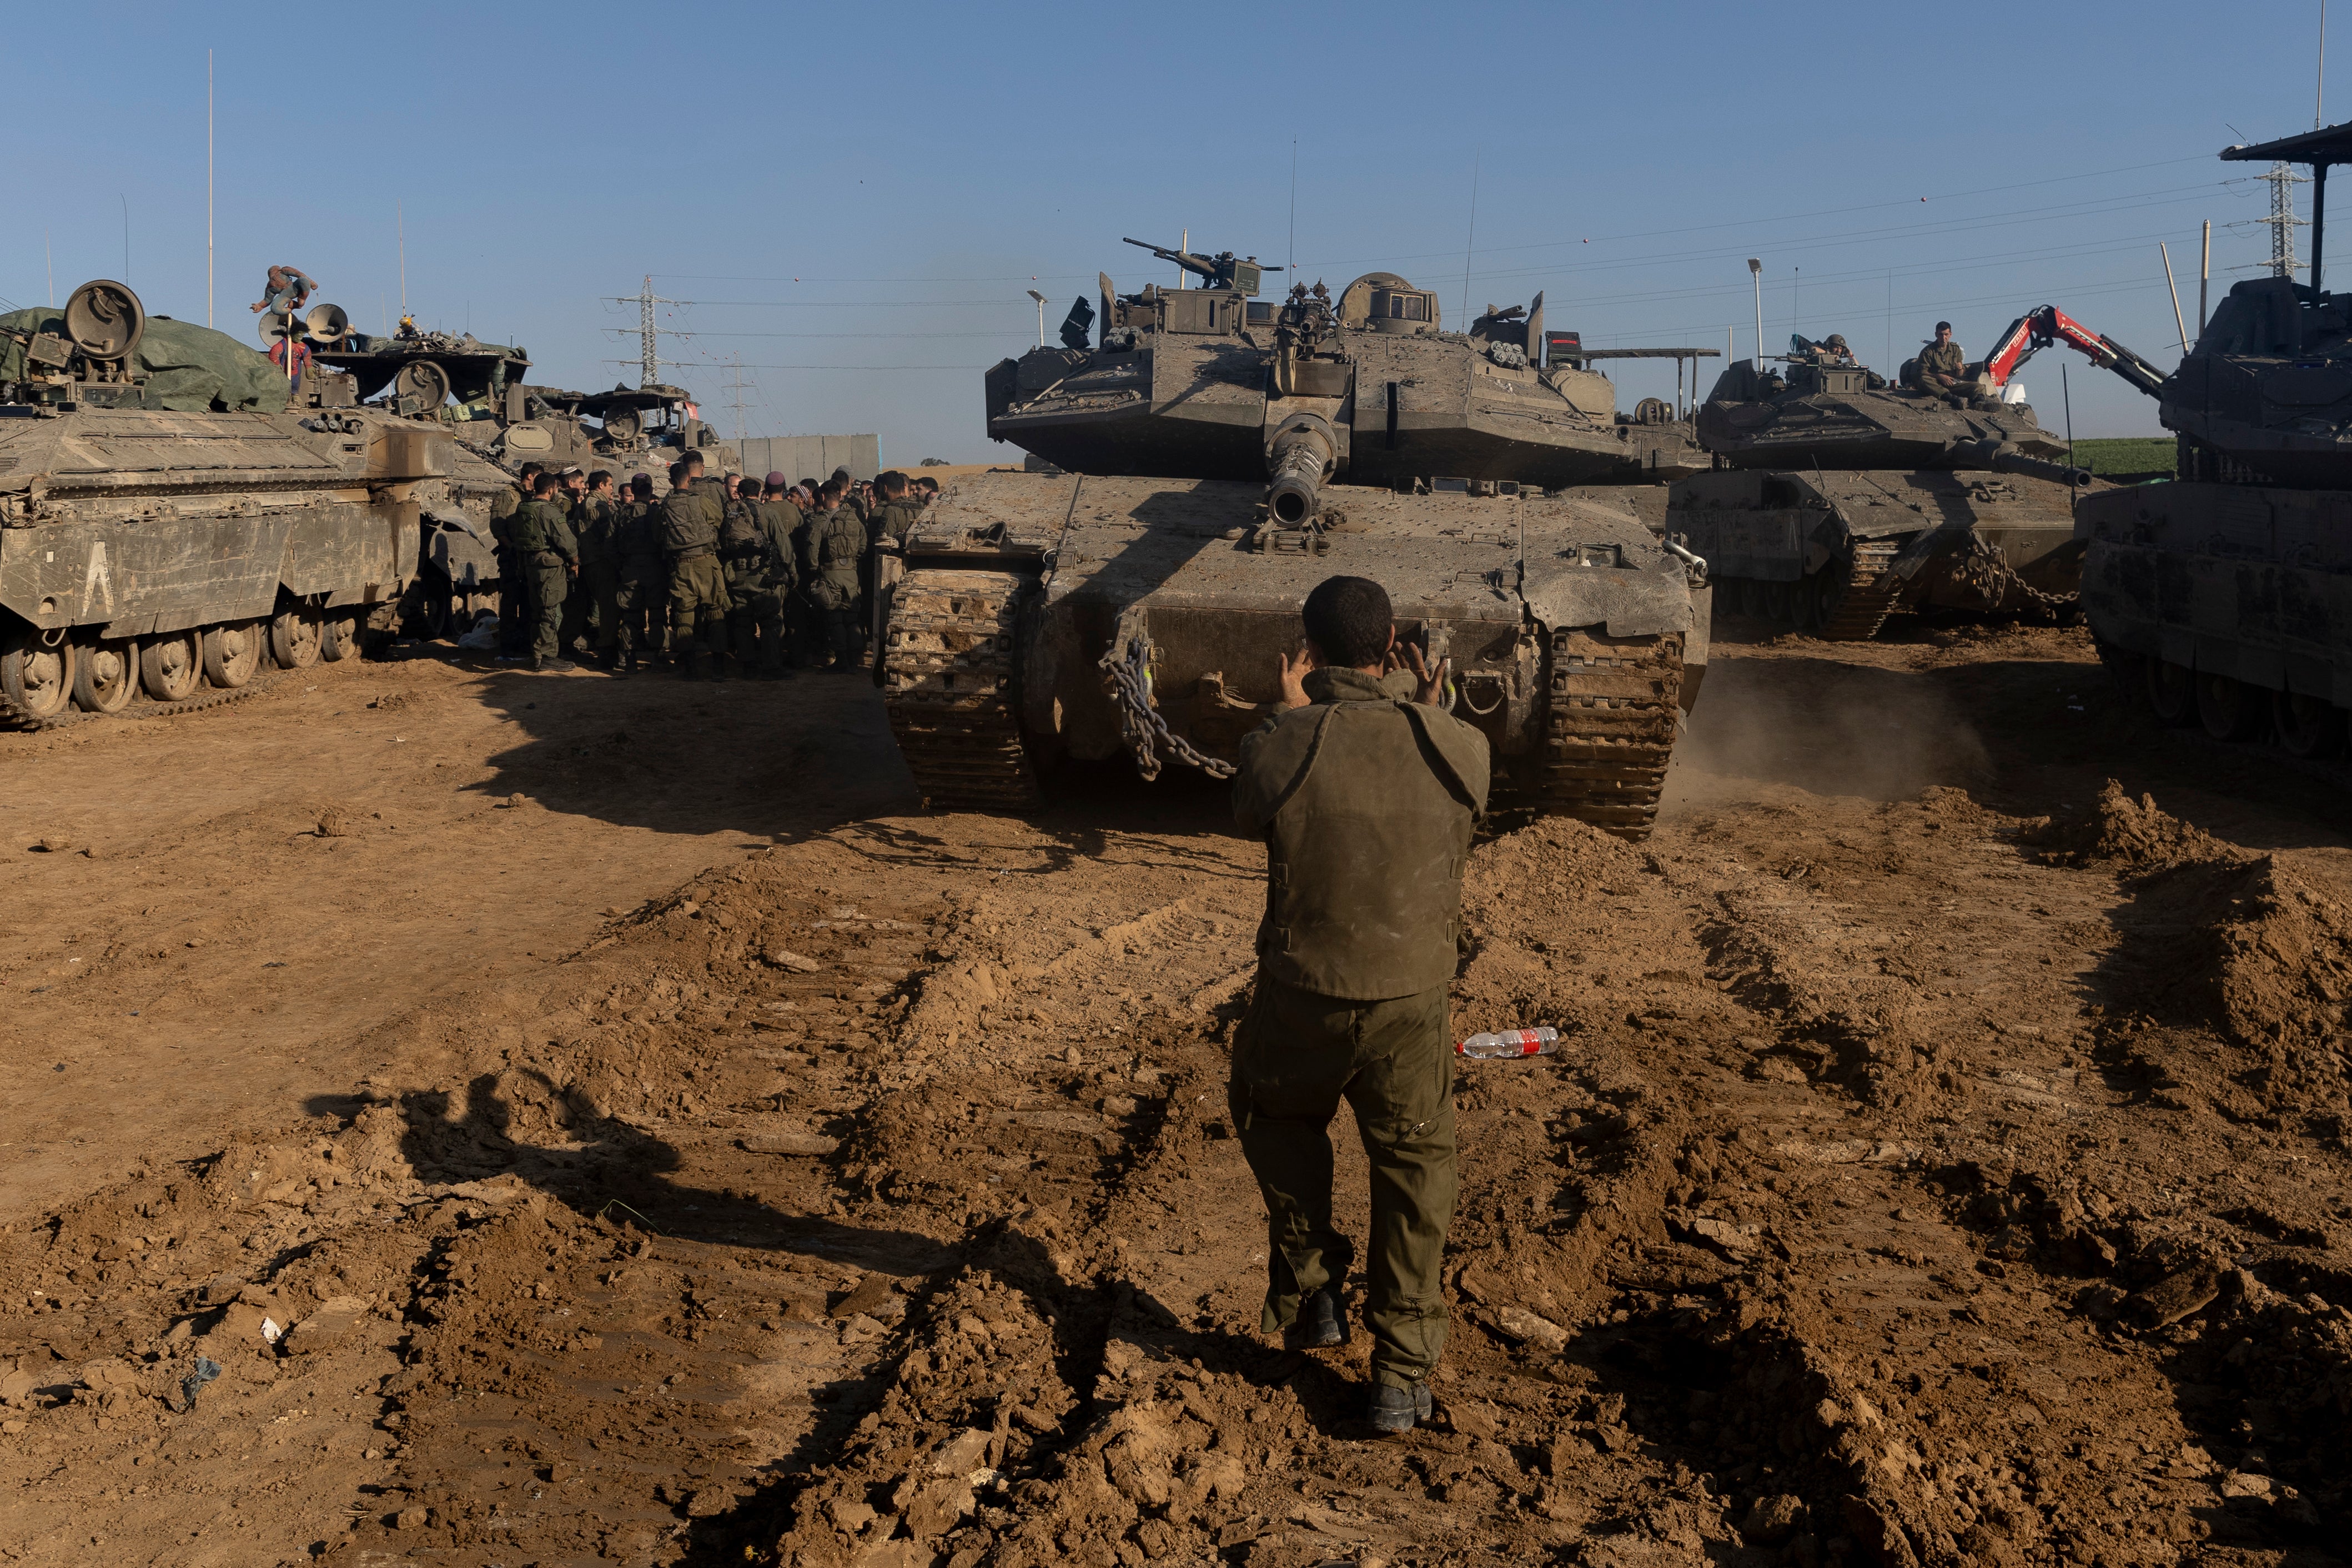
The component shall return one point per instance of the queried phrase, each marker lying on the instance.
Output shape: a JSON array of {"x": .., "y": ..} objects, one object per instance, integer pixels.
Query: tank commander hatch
[{"x": 1365, "y": 802}]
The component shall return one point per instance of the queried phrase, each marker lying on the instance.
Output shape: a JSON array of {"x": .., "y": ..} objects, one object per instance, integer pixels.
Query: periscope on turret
[{"x": 1225, "y": 453}]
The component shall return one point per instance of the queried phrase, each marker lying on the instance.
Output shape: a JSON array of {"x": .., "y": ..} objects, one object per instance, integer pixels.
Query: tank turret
[{"x": 1212, "y": 382}]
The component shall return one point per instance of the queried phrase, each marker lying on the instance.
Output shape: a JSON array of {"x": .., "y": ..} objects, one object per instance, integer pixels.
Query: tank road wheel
[
  {"x": 106, "y": 677},
  {"x": 1775, "y": 607},
  {"x": 339, "y": 636},
  {"x": 37, "y": 676},
  {"x": 2171, "y": 692},
  {"x": 2229, "y": 708},
  {"x": 430, "y": 607},
  {"x": 169, "y": 666},
  {"x": 2307, "y": 727},
  {"x": 232, "y": 653},
  {"x": 294, "y": 638}
]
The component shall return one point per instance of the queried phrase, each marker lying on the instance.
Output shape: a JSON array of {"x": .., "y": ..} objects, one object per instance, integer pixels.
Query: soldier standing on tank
[
  {"x": 1365, "y": 802},
  {"x": 837, "y": 549},
  {"x": 1940, "y": 369},
  {"x": 698, "y": 594},
  {"x": 514, "y": 591},
  {"x": 549, "y": 557},
  {"x": 642, "y": 598}
]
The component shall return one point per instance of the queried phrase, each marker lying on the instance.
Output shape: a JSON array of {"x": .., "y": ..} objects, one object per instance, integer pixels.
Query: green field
[{"x": 2127, "y": 455}]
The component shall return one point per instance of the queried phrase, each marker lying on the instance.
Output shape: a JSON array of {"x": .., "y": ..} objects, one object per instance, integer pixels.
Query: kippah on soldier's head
[{"x": 1348, "y": 621}]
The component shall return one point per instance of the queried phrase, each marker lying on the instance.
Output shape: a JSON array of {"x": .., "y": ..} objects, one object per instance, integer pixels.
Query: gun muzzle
[{"x": 1300, "y": 459}]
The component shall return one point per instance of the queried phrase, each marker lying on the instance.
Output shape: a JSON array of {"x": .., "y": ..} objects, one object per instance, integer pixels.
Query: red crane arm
[{"x": 2040, "y": 328}]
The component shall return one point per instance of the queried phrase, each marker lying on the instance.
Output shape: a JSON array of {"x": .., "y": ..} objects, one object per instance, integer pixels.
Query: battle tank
[
  {"x": 1368, "y": 388},
  {"x": 1032, "y": 618},
  {"x": 1838, "y": 499},
  {"x": 2220, "y": 598},
  {"x": 173, "y": 516}
]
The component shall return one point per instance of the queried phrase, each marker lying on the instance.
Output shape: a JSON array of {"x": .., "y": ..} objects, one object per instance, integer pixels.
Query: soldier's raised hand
[
  {"x": 1294, "y": 677},
  {"x": 1432, "y": 679}
]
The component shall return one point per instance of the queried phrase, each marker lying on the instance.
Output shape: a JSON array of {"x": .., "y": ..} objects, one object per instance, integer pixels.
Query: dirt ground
[{"x": 472, "y": 1118}]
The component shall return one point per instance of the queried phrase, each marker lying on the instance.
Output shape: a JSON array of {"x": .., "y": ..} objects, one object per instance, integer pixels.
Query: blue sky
[{"x": 853, "y": 195}]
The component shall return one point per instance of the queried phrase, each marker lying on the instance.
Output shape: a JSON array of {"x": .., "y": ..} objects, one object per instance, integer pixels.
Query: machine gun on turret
[{"x": 1223, "y": 270}]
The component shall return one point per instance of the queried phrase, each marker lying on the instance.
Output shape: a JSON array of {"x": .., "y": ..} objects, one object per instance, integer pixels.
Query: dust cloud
[{"x": 1830, "y": 728}]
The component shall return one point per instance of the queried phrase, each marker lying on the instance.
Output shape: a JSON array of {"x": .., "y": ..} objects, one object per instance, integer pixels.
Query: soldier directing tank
[
  {"x": 1839, "y": 500},
  {"x": 1109, "y": 614},
  {"x": 2217, "y": 598}
]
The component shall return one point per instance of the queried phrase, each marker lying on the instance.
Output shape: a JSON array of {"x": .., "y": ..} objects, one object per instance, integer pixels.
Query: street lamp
[
  {"x": 1756, "y": 270},
  {"x": 1041, "y": 316}
]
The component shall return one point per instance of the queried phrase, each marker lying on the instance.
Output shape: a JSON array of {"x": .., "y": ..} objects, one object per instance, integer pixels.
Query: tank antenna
[
  {"x": 399, "y": 232},
  {"x": 1293, "y": 258},
  {"x": 208, "y": 187},
  {"x": 2319, "y": 83},
  {"x": 1472, "y": 241}
]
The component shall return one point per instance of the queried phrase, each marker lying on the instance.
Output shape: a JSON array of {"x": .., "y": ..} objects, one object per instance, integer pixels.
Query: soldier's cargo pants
[
  {"x": 551, "y": 586},
  {"x": 836, "y": 600},
  {"x": 698, "y": 604},
  {"x": 642, "y": 613},
  {"x": 1295, "y": 1056},
  {"x": 600, "y": 583},
  {"x": 757, "y": 621}
]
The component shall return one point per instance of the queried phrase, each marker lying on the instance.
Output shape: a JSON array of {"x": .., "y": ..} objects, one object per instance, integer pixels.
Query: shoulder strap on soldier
[{"x": 1449, "y": 768}]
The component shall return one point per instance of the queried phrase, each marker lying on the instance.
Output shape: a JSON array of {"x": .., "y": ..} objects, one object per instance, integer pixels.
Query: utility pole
[
  {"x": 735, "y": 397},
  {"x": 649, "y": 360},
  {"x": 2283, "y": 222}
]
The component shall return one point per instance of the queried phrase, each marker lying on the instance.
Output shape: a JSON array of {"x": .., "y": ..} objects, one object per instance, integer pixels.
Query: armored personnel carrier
[
  {"x": 173, "y": 517},
  {"x": 1840, "y": 499},
  {"x": 2220, "y": 597},
  {"x": 1033, "y": 618}
]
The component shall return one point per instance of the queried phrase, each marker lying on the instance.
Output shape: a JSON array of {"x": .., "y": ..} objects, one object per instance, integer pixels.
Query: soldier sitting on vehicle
[{"x": 1942, "y": 370}]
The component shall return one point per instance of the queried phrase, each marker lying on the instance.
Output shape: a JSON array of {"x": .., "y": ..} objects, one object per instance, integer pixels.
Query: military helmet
[{"x": 1834, "y": 340}]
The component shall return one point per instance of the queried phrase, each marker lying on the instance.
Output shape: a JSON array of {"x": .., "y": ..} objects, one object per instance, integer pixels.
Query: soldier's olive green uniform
[
  {"x": 1366, "y": 805},
  {"x": 836, "y": 550},
  {"x": 758, "y": 577},
  {"x": 1938, "y": 370},
  {"x": 514, "y": 593},
  {"x": 598, "y": 531},
  {"x": 698, "y": 593},
  {"x": 642, "y": 595},
  {"x": 543, "y": 541},
  {"x": 808, "y": 622}
]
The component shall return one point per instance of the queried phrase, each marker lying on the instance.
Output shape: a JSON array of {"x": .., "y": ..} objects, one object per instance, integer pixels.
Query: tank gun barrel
[
  {"x": 1298, "y": 461},
  {"x": 2003, "y": 458}
]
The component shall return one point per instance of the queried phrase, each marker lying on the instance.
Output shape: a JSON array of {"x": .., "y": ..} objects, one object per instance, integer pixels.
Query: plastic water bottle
[{"x": 1540, "y": 1041}]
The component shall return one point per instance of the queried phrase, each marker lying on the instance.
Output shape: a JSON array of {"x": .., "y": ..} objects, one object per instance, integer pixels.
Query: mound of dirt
[{"x": 2118, "y": 831}]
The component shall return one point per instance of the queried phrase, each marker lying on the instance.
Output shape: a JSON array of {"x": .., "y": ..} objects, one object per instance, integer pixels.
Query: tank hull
[
  {"x": 190, "y": 539},
  {"x": 1091, "y": 617},
  {"x": 1834, "y": 552},
  {"x": 2246, "y": 590}
]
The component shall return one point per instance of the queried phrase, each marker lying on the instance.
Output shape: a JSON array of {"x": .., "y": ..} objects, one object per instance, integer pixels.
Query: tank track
[
  {"x": 950, "y": 675},
  {"x": 13, "y": 717},
  {"x": 1609, "y": 728},
  {"x": 1871, "y": 590}
]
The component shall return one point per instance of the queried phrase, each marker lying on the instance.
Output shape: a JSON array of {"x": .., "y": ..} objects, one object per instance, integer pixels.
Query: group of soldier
[{"x": 771, "y": 574}]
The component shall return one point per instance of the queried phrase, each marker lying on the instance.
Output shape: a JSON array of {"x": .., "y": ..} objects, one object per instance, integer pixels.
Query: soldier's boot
[
  {"x": 718, "y": 664},
  {"x": 684, "y": 657},
  {"x": 1392, "y": 1410}
]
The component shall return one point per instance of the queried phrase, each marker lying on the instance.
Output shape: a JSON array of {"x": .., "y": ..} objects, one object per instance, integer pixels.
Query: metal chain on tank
[
  {"x": 1126, "y": 677},
  {"x": 1988, "y": 570}
]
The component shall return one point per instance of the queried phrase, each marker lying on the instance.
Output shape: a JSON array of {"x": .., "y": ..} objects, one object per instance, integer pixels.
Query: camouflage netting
[{"x": 186, "y": 367}]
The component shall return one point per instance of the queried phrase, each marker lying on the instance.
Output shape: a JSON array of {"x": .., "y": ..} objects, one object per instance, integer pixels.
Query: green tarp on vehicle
[{"x": 186, "y": 367}]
